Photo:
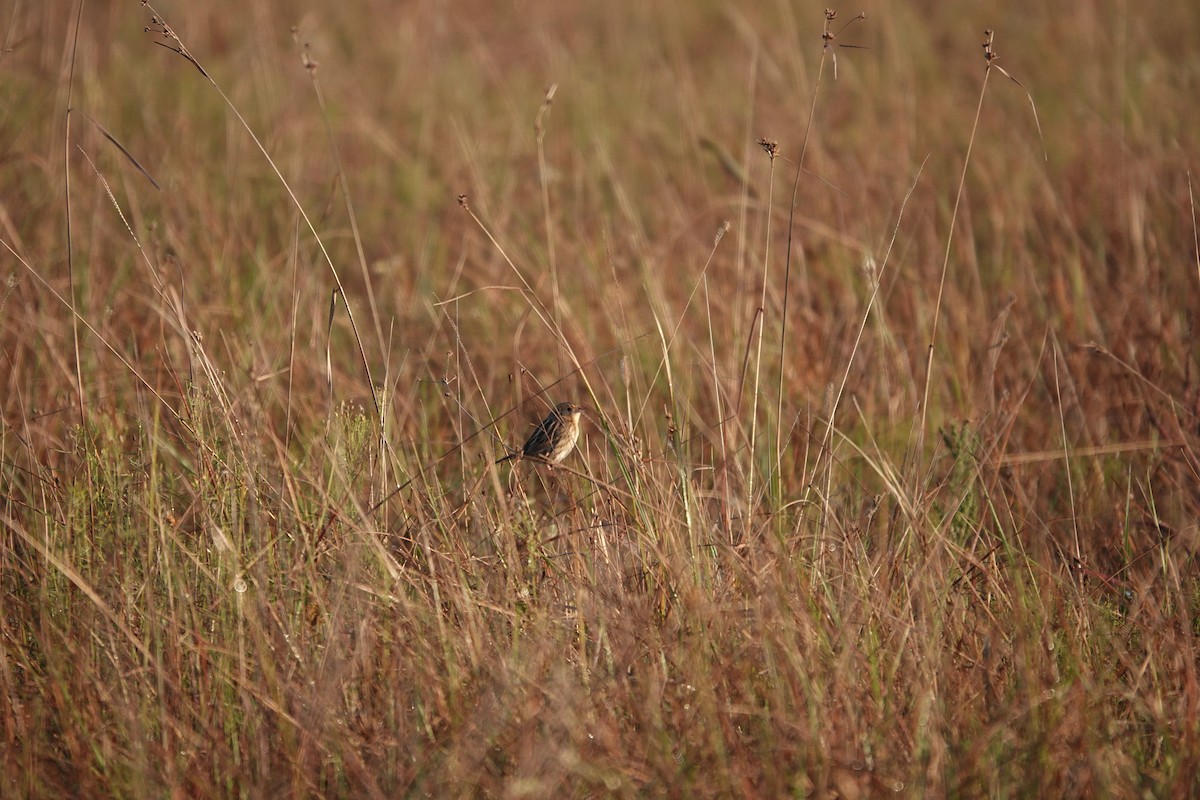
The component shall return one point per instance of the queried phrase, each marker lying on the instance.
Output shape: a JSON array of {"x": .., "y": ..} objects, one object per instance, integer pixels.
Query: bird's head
[{"x": 568, "y": 410}]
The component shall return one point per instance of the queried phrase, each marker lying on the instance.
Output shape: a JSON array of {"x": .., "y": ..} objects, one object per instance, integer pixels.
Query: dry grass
[{"x": 934, "y": 536}]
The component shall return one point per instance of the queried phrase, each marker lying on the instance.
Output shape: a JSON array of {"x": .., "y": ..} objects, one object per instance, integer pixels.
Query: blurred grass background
[{"x": 797, "y": 553}]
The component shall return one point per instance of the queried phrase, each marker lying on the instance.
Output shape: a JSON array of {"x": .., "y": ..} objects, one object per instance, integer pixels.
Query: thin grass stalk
[
  {"x": 1062, "y": 423},
  {"x": 287, "y": 428},
  {"x": 762, "y": 315},
  {"x": 937, "y": 308},
  {"x": 1195, "y": 229},
  {"x": 539, "y": 128},
  {"x": 80, "y": 393},
  {"x": 717, "y": 398}
]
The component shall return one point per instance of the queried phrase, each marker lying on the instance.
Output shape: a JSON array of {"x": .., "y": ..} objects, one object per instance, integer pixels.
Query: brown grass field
[{"x": 889, "y": 482}]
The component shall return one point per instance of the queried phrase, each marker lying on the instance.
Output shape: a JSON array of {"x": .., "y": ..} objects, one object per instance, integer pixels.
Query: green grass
[{"x": 771, "y": 568}]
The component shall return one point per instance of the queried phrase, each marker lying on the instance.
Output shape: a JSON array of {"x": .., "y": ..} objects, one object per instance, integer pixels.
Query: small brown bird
[{"x": 554, "y": 439}]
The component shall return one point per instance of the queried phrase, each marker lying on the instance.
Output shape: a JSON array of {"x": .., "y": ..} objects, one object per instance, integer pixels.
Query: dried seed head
[
  {"x": 721, "y": 231},
  {"x": 770, "y": 146}
]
